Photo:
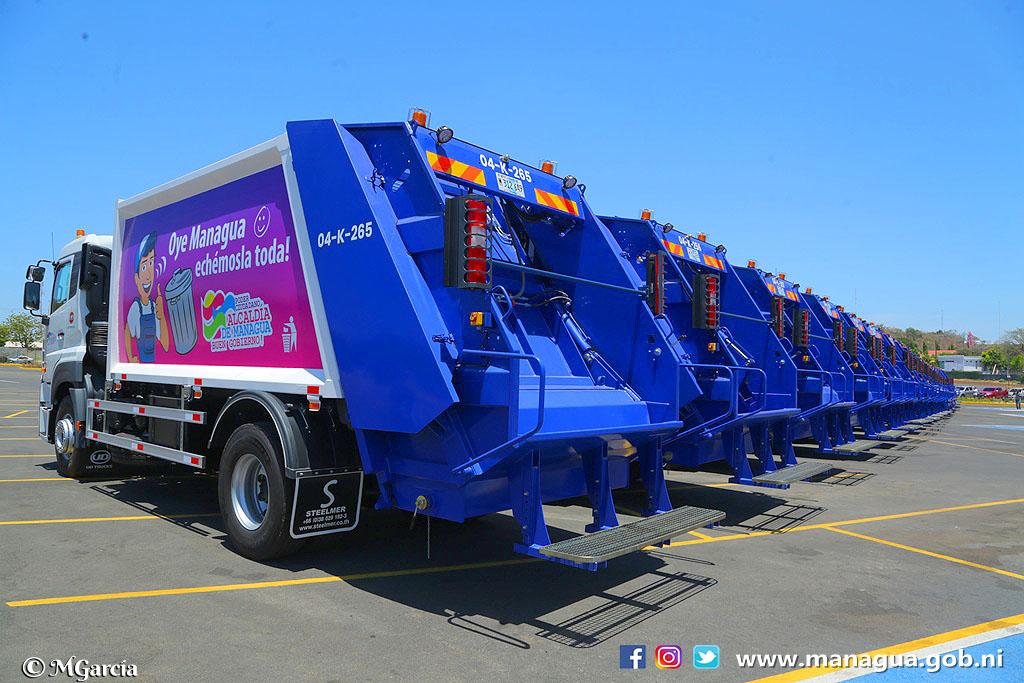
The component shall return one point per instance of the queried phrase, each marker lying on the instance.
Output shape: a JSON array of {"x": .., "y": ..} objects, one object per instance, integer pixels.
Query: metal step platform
[
  {"x": 606, "y": 544},
  {"x": 788, "y": 475},
  {"x": 887, "y": 435},
  {"x": 858, "y": 446}
]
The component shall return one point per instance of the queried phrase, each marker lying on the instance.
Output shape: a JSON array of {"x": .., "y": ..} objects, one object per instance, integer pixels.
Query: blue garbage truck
[
  {"x": 825, "y": 379},
  {"x": 725, "y": 341},
  {"x": 374, "y": 315}
]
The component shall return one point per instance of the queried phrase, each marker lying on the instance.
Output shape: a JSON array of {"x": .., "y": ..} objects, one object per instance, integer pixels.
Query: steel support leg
[
  {"x": 736, "y": 452},
  {"x": 524, "y": 490},
  {"x": 599, "y": 489},
  {"x": 847, "y": 426},
  {"x": 820, "y": 430},
  {"x": 652, "y": 471},
  {"x": 783, "y": 437},
  {"x": 762, "y": 444}
]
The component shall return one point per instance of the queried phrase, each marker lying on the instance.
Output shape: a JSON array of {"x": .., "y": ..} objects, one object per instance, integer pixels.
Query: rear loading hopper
[
  {"x": 747, "y": 382},
  {"x": 508, "y": 293},
  {"x": 824, "y": 378}
]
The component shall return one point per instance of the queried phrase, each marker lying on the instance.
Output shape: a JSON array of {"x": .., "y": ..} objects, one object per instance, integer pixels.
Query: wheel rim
[
  {"x": 64, "y": 437},
  {"x": 250, "y": 492}
]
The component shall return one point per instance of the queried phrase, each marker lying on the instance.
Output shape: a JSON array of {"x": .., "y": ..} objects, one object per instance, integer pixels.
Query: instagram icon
[{"x": 668, "y": 656}]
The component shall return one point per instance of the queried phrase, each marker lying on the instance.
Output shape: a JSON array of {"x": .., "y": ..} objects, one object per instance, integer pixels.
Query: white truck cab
[{"x": 74, "y": 347}]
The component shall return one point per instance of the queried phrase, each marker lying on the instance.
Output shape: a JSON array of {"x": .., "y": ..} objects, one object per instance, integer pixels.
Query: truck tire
[
  {"x": 72, "y": 461},
  {"x": 255, "y": 495}
]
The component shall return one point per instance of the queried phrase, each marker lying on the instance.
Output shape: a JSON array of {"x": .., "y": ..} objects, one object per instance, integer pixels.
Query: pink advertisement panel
[{"x": 216, "y": 279}]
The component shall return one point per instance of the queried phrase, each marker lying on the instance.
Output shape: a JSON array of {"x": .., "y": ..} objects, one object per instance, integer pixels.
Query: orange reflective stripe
[
  {"x": 558, "y": 202},
  {"x": 456, "y": 168},
  {"x": 673, "y": 247},
  {"x": 713, "y": 262}
]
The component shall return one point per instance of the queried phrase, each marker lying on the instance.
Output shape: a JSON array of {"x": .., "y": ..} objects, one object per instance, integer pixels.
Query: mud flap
[{"x": 325, "y": 503}]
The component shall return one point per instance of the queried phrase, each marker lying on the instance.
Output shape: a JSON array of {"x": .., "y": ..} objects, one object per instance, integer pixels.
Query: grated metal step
[
  {"x": 858, "y": 446},
  {"x": 887, "y": 435},
  {"x": 603, "y": 545},
  {"x": 788, "y": 475}
]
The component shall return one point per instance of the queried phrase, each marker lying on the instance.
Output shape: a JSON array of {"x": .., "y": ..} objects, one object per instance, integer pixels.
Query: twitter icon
[{"x": 705, "y": 657}]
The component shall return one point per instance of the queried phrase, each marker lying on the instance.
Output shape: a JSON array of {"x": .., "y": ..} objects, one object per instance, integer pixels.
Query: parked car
[
  {"x": 993, "y": 392},
  {"x": 21, "y": 359}
]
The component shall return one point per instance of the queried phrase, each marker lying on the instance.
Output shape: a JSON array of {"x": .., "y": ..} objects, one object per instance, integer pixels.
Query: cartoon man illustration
[{"x": 147, "y": 321}]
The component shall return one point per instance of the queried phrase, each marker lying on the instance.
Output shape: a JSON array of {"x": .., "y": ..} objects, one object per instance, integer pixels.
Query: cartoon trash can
[{"x": 182, "y": 311}]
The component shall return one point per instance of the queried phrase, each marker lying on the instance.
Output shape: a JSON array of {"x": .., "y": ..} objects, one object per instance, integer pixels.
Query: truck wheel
[
  {"x": 71, "y": 460},
  {"x": 255, "y": 495}
]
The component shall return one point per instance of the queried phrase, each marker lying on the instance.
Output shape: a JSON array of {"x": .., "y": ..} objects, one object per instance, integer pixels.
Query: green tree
[
  {"x": 23, "y": 330},
  {"x": 1017, "y": 364},
  {"x": 994, "y": 357}
]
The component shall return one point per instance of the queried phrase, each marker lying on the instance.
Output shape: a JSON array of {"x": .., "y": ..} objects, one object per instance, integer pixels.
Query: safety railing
[
  {"x": 732, "y": 415},
  {"x": 509, "y": 445}
]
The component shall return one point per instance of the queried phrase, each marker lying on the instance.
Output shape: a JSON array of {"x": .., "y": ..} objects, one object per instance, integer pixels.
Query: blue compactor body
[
  {"x": 748, "y": 379},
  {"x": 518, "y": 344},
  {"x": 824, "y": 379}
]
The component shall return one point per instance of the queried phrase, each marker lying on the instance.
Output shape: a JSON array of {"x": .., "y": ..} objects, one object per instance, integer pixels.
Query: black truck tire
[
  {"x": 255, "y": 495},
  {"x": 75, "y": 462}
]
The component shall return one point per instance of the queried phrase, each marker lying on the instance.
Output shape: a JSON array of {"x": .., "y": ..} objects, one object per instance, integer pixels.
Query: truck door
[{"x": 64, "y": 331}]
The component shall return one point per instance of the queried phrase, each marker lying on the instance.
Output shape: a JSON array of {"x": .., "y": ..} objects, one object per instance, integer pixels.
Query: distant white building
[{"x": 958, "y": 363}]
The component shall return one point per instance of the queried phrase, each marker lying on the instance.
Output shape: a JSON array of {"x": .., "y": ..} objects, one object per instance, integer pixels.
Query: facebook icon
[{"x": 632, "y": 657}]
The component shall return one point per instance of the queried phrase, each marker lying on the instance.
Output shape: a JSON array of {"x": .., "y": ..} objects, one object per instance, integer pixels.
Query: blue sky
[{"x": 874, "y": 151}]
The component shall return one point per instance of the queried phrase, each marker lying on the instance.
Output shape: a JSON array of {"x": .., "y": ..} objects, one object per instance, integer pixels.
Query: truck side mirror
[
  {"x": 35, "y": 273},
  {"x": 32, "y": 295}
]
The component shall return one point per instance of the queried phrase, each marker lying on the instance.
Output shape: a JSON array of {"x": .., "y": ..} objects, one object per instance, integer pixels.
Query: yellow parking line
[
  {"x": 862, "y": 520},
  {"x": 431, "y": 570},
  {"x": 977, "y": 448},
  {"x": 699, "y": 534},
  {"x": 20, "y": 412},
  {"x": 44, "y": 455},
  {"x": 929, "y": 553},
  {"x": 19, "y": 438},
  {"x": 125, "y": 518},
  {"x": 270, "y": 584},
  {"x": 902, "y": 648},
  {"x": 18, "y": 481}
]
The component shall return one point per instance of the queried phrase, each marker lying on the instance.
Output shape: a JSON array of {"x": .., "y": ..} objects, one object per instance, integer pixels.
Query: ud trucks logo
[{"x": 99, "y": 458}]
